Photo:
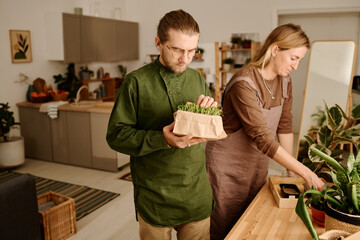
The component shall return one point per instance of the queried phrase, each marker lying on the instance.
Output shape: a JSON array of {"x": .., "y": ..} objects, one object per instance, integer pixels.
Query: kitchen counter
[
  {"x": 102, "y": 107},
  {"x": 263, "y": 219}
]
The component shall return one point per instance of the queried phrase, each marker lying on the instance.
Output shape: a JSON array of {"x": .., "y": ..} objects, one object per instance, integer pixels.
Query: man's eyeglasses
[{"x": 178, "y": 53}]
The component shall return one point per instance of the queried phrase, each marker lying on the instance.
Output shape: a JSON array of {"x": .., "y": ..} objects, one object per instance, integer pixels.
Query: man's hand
[{"x": 180, "y": 142}]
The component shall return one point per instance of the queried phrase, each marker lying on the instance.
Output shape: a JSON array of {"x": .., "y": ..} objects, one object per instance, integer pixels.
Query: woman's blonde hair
[{"x": 285, "y": 37}]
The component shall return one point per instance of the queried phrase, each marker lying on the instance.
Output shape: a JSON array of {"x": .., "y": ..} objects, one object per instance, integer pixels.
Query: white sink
[{"x": 85, "y": 103}]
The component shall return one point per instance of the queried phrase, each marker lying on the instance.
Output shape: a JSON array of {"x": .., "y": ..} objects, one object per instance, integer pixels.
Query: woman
[{"x": 257, "y": 107}]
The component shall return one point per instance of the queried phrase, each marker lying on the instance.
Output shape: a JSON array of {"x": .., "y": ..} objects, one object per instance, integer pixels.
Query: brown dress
[{"x": 237, "y": 168}]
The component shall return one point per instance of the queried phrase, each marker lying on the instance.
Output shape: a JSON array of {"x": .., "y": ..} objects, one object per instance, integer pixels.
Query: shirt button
[{"x": 170, "y": 92}]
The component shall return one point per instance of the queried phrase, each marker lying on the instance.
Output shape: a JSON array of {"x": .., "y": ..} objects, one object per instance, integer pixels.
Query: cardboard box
[{"x": 274, "y": 184}]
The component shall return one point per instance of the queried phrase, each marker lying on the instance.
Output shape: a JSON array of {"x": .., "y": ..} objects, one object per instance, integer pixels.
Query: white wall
[{"x": 217, "y": 20}]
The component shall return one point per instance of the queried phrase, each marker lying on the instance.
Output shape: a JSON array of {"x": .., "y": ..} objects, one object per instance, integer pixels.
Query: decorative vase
[
  {"x": 335, "y": 219},
  {"x": 12, "y": 153},
  {"x": 30, "y": 90},
  {"x": 318, "y": 216}
]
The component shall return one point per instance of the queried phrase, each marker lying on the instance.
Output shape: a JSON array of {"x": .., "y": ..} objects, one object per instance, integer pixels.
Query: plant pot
[
  {"x": 226, "y": 67},
  {"x": 12, "y": 153},
  {"x": 84, "y": 75},
  {"x": 335, "y": 219},
  {"x": 318, "y": 216}
]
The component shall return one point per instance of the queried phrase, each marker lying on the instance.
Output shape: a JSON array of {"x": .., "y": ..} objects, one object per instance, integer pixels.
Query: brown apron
[{"x": 237, "y": 169}]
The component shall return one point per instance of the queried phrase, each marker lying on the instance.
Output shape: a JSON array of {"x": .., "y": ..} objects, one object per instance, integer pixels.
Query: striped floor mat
[{"x": 86, "y": 199}]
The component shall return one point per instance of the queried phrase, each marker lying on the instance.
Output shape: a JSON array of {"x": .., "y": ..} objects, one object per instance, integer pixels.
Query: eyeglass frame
[{"x": 182, "y": 52}]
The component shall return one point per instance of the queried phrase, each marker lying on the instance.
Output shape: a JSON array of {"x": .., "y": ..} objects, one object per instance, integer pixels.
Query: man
[{"x": 171, "y": 186}]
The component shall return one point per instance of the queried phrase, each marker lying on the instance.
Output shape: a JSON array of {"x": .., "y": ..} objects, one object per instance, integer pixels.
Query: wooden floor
[{"x": 114, "y": 220}]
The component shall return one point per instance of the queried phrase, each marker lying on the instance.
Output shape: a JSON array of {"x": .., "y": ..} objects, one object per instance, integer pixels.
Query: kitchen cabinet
[
  {"x": 103, "y": 157},
  {"x": 81, "y": 39},
  {"x": 59, "y": 138},
  {"x": 35, "y": 128},
  {"x": 79, "y": 138},
  {"x": 220, "y": 72},
  {"x": 76, "y": 137}
]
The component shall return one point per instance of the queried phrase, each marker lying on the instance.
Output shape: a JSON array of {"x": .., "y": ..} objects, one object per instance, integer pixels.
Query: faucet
[{"x": 77, "y": 99}]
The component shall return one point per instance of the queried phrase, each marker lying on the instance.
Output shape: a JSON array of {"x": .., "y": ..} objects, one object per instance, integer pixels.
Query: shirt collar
[{"x": 165, "y": 71}]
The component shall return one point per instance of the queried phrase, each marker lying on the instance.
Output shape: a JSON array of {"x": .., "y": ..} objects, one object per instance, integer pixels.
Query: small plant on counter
[
  {"x": 7, "y": 121},
  {"x": 343, "y": 196},
  {"x": 197, "y": 109}
]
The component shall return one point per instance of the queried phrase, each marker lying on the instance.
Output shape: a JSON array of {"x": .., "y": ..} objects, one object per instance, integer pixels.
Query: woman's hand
[
  {"x": 312, "y": 179},
  {"x": 206, "y": 101},
  {"x": 177, "y": 141}
]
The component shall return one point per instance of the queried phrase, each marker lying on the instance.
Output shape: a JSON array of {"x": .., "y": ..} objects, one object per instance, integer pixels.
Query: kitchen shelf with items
[
  {"x": 106, "y": 91},
  {"x": 223, "y": 53}
]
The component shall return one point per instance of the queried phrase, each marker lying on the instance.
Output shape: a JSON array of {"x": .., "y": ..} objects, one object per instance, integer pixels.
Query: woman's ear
[{"x": 274, "y": 50}]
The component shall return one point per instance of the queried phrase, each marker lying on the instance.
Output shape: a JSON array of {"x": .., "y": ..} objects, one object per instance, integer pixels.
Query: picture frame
[{"x": 20, "y": 44}]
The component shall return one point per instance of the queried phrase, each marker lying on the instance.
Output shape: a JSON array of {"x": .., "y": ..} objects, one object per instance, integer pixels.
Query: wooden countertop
[
  {"x": 103, "y": 107},
  {"x": 264, "y": 220}
]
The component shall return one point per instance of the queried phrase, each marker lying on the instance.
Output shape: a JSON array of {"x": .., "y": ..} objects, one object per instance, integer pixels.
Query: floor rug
[
  {"x": 86, "y": 199},
  {"x": 126, "y": 177}
]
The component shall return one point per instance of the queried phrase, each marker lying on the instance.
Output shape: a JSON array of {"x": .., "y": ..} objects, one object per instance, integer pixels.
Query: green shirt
[{"x": 171, "y": 186}]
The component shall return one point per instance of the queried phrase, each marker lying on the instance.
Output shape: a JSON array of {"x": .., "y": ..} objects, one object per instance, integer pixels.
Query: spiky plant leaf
[{"x": 350, "y": 162}]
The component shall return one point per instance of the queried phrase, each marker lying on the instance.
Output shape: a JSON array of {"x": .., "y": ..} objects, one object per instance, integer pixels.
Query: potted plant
[
  {"x": 199, "y": 53},
  {"x": 227, "y": 64},
  {"x": 12, "y": 151},
  {"x": 85, "y": 73},
  {"x": 335, "y": 130},
  {"x": 342, "y": 198},
  {"x": 246, "y": 43},
  {"x": 236, "y": 42},
  {"x": 70, "y": 83}
]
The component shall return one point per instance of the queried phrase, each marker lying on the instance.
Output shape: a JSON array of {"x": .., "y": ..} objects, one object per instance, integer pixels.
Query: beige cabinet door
[
  {"x": 71, "y": 35},
  {"x": 103, "y": 156},
  {"x": 59, "y": 137},
  {"x": 35, "y": 128},
  {"x": 126, "y": 40},
  {"x": 79, "y": 138},
  {"x": 106, "y": 40},
  {"x": 89, "y": 38}
]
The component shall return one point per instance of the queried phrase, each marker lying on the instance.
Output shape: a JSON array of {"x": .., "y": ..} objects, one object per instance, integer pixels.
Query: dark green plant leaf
[
  {"x": 314, "y": 157},
  {"x": 343, "y": 114},
  {"x": 324, "y": 136},
  {"x": 355, "y": 113},
  {"x": 336, "y": 152},
  {"x": 309, "y": 140}
]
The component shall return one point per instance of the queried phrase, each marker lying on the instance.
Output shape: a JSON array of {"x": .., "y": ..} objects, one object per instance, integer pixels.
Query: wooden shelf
[
  {"x": 111, "y": 85},
  {"x": 220, "y": 74}
]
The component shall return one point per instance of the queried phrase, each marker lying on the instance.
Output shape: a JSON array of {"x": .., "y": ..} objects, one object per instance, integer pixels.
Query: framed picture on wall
[{"x": 20, "y": 44}]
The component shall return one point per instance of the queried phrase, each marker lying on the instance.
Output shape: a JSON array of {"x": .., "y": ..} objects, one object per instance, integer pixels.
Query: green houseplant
[
  {"x": 343, "y": 196},
  {"x": 12, "y": 151},
  {"x": 236, "y": 41},
  {"x": 335, "y": 130},
  {"x": 227, "y": 64}
]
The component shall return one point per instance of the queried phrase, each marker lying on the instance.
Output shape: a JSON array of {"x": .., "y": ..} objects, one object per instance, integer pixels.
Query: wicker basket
[
  {"x": 58, "y": 222},
  {"x": 60, "y": 97}
]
